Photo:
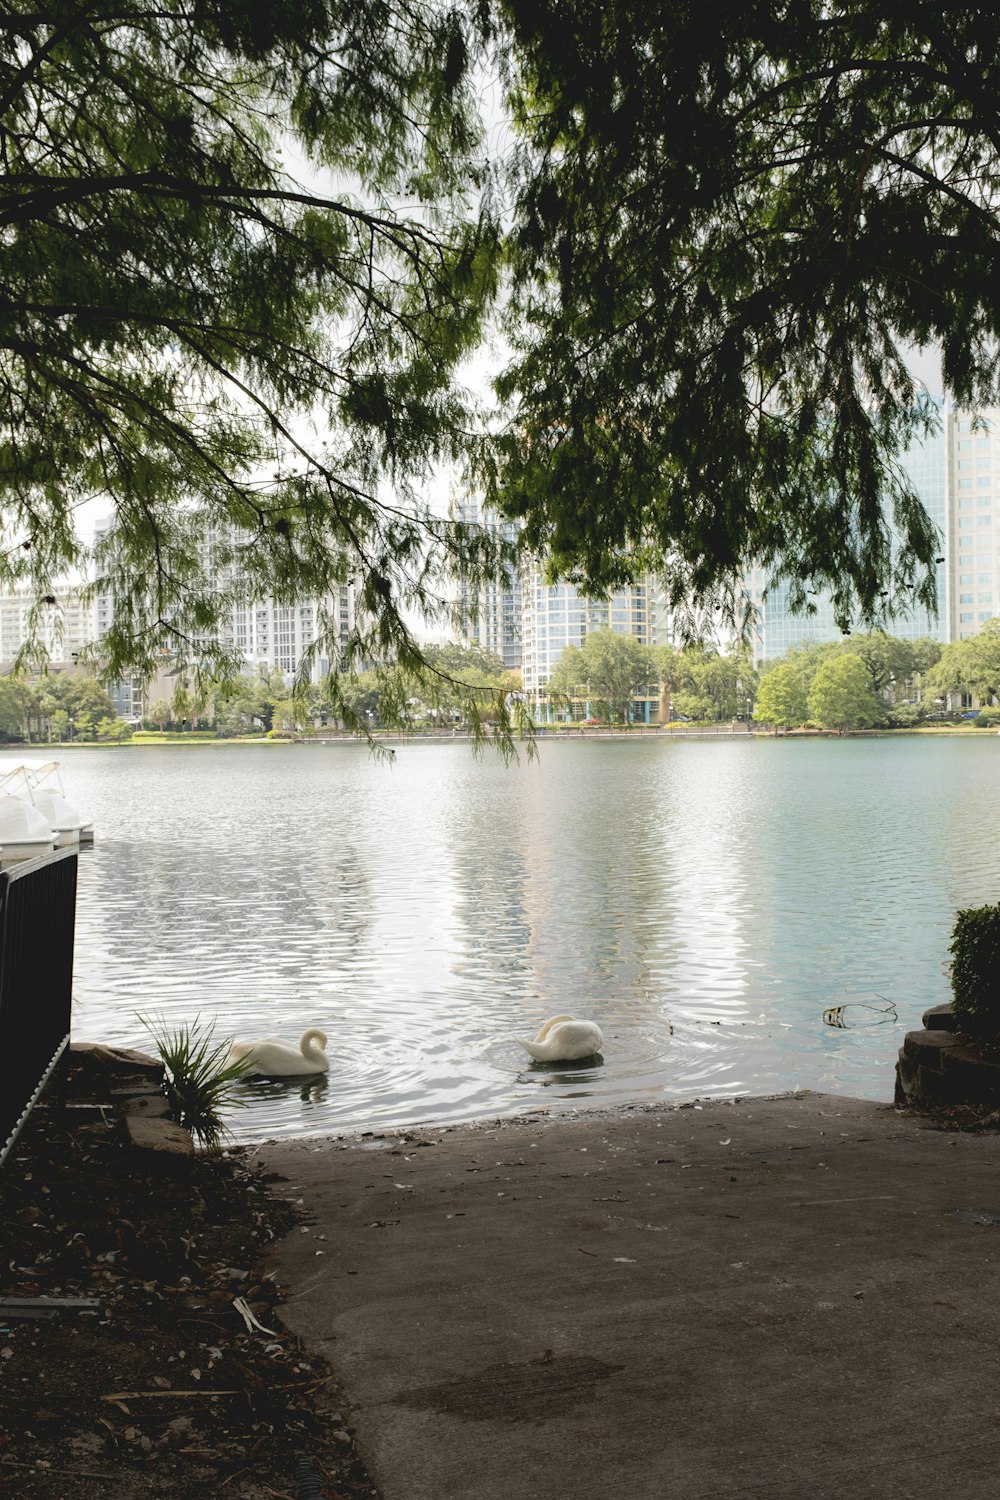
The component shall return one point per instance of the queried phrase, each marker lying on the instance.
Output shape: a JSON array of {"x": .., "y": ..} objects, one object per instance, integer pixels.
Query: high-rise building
[
  {"x": 974, "y": 522},
  {"x": 929, "y": 464},
  {"x": 265, "y": 632},
  {"x": 529, "y": 623},
  {"x": 555, "y": 616},
  {"x": 489, "y": 614},
  {"x": 64, "y": 626}
]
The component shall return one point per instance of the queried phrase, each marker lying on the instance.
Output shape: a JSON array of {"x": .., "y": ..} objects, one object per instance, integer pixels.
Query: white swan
[
  {"x": 563, "y": 1039},
  {"x": 270, "y": 1058}
]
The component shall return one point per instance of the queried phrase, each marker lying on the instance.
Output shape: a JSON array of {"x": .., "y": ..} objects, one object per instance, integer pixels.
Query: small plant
[
  {"x": 200, "y": 1077},
  {"x": 975, "y": 972}
]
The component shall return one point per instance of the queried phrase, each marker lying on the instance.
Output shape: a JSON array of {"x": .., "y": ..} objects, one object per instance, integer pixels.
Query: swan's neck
[
  {"x": 548, "y": 1026},
  {"x": 312, "y": 1045}
]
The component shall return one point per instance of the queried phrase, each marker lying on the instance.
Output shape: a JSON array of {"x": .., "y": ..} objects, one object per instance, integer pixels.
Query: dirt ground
[{"x": 162, "y": 1388}]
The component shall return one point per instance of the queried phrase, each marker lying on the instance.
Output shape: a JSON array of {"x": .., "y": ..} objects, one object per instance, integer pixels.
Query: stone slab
[
  {"x": 97, "y": 1056},
  {"x": 972, "y": 1074},
  {"x": 927, "y": 1048},
  {"x": 161, "y": 1144},
  {"x": 153, "y": 1106},
  {"x": 939, "y": 1018}
]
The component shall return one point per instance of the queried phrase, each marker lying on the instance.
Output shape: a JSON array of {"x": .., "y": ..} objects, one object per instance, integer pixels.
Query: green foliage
[
  {"x": 975, "y": 972},
  {"x": 450, "y": 683},
  {"x": 70, "y": 705},
  {"x": 781, "y": 697},
  {"x": 15, "y": 708},
  {"x": 160, "y": 713},
  {"x": 726, "y": 239},
  {"x": 115, "y": 731},
  {"x": 840, "y": 695},
  {"x": 362, "y": 696},
  {"x": 722, "y": 240},
  {"x": 706, "y": 684},
  {"x": 463, "y": 659},
  {"x": 200, "y": 1079},
  {"x": 458, "y": 681},
  {"x": 897, "y": 671},
  {"x": 970, "y": 666},
  {"x": 885, "y": 658},
  {"x": 257, "y": 372},
  {"x": 250, "y": 702},
  {"x": 611, "y": 669},
  {"x": 905, "y": 716}
]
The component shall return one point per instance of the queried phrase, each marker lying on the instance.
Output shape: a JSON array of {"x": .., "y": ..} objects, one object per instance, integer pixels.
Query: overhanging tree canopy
[
  {"x": 729, "y": 229},
  {"x": 188, "y": 331},
  {"x": 722, "y": 233}
]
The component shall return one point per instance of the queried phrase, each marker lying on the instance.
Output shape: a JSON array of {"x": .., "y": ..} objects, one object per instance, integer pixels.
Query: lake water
[{"x": 703, "y": 901}]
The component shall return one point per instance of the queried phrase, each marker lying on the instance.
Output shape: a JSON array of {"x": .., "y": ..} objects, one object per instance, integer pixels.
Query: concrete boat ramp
[{"x": 781, "y": 1299}]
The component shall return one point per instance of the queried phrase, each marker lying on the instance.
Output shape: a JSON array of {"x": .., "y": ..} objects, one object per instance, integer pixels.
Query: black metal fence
[{"x": 37, "y": 922}]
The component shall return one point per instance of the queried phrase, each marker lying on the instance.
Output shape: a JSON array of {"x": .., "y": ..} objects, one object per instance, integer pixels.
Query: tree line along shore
[{"x": 863, "y": 681}]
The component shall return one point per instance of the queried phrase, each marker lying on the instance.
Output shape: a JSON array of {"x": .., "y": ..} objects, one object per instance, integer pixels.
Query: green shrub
[
  {"x": 904, "y": 715},
  {"x": 975, "y": 972},
  {"x": 200, "y": 1080}
]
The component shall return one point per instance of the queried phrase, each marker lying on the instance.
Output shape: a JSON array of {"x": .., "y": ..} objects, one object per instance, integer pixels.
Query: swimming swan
[
  {"x": 270, "y": 1058},
  {"x": 563, "y": 1039}
]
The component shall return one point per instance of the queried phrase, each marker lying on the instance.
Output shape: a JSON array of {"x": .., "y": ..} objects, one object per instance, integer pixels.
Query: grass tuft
[{"x": 200, "y": 1079}]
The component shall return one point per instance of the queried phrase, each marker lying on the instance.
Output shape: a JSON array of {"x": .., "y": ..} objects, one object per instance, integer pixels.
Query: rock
[
  {"x": 972, "y": 1075},
  {"x": 94, "y": 1056},
  {"x": 162, "y": 1144},
  {"x": 906, "y": 1081},
  {"x": 135, "y": 1083},
  {"x": 150, "y": 1106},
  {"x": 96, "y": 1072},
  {"x": 926, "y": 1048},
  {"x": 923, "y": 1088},
  {"x": 939, "y": 1018}
]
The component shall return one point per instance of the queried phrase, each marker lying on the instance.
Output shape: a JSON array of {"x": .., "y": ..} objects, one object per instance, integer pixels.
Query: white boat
[
  {"x": 64, "y": 819},
  {"x": 39, "y": 783},
  {"x": 25, "y": 832}
]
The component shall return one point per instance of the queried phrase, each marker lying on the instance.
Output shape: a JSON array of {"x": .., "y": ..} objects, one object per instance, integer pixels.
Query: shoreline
[{"x": 549, "y": 733}]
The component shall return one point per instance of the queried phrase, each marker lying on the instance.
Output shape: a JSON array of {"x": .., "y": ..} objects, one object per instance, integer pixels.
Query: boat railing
[{"x": 37, "y": 926}]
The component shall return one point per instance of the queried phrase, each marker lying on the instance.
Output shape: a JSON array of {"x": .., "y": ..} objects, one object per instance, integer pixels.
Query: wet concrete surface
[{"x": 784, "y": 1299}]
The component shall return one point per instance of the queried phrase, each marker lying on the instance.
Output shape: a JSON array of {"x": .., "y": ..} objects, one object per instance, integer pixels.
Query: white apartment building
[
  {"x": 489, "y": 615},
  {"x": 279, "y": 636},
  {"x": 554, "y": 616},
  {"x": 265, "y": 632},
  {"x": 63, "y": 628},
  {"x": 529, "y": 623}
]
